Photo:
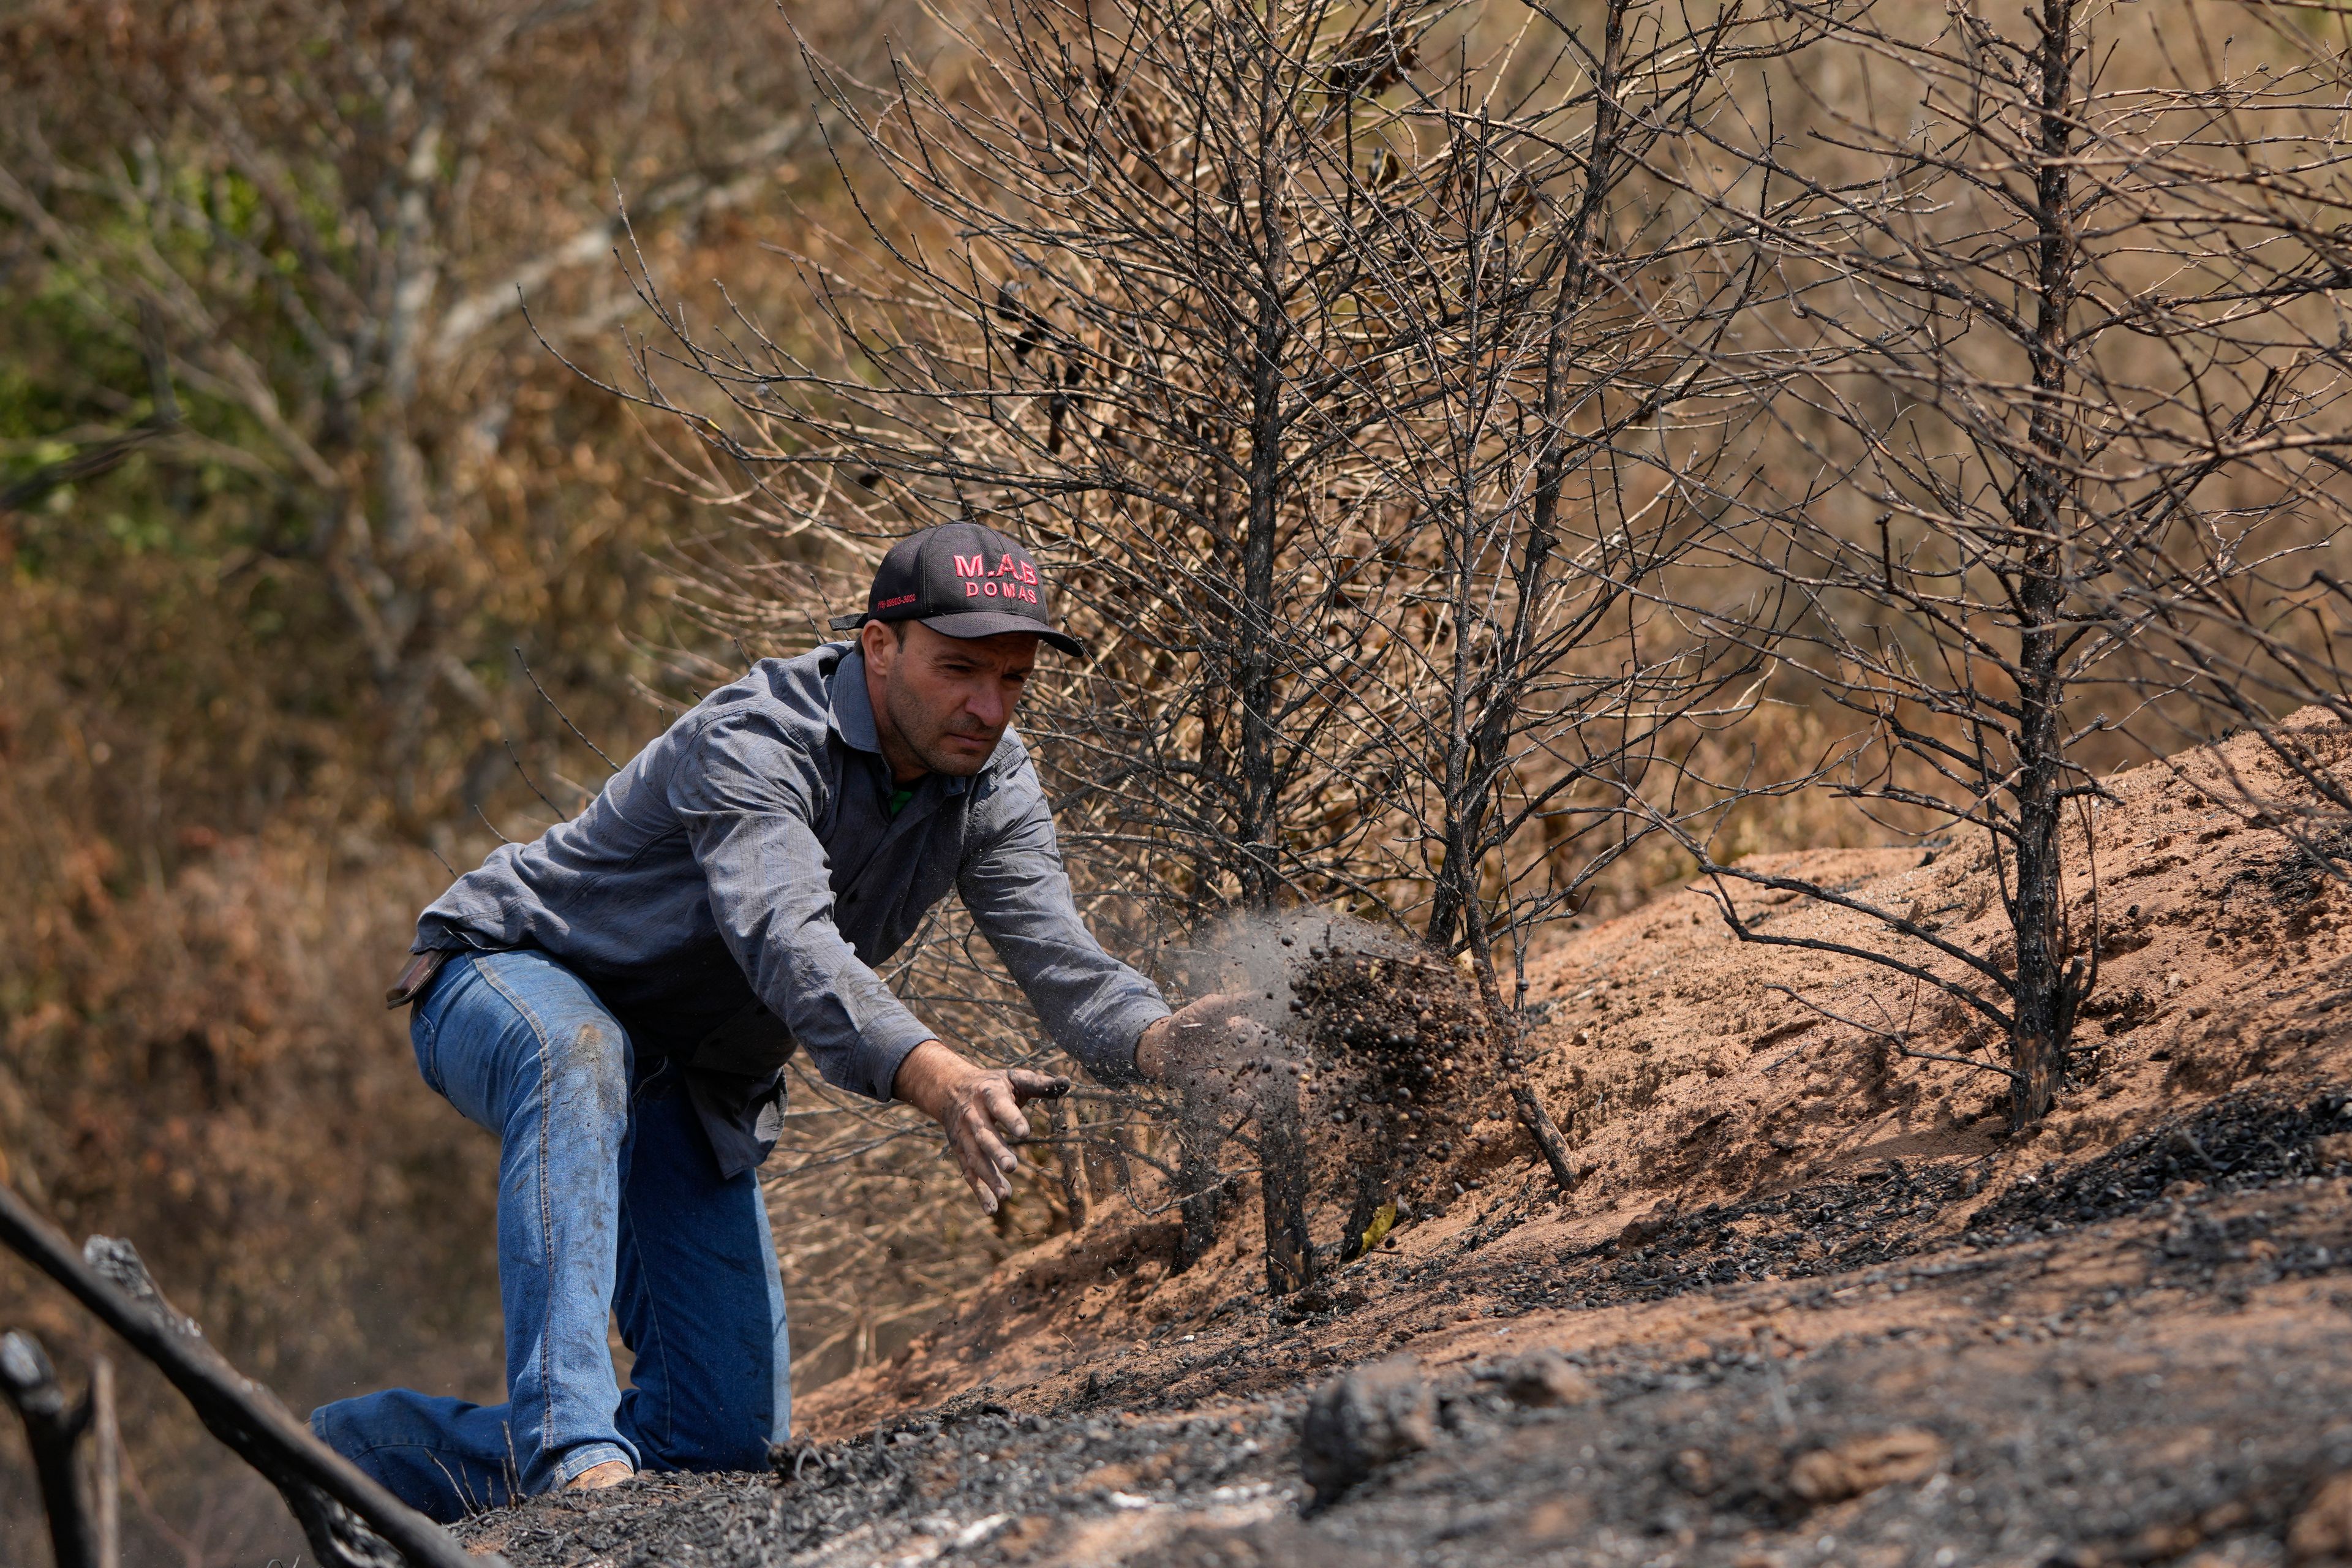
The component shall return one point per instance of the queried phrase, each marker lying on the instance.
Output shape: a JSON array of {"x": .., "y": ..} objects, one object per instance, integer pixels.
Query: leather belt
[{"x": 414, "y": 979}]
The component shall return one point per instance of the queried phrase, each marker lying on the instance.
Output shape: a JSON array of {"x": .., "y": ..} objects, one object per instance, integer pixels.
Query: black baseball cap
[{"x": 962, "y": 580}]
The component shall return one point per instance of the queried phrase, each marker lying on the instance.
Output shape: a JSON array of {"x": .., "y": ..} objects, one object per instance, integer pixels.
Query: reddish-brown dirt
[{"x": 1819, "y": 1305}]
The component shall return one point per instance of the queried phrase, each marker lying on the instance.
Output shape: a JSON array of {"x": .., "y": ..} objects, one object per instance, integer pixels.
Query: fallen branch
[
  {"x": 1532, "y": 1115},
  {"x": 350, "y": 1521},
  {"x": 53, "y": 1431},
  {"x": 1539, "y": 1125}
]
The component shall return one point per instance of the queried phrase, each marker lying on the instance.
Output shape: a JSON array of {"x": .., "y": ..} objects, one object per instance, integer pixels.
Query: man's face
[{"x": 944, "y": 700}]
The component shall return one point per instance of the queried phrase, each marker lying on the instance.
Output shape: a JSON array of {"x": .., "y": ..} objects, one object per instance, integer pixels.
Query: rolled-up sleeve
[
  {"x": 1093, "y": 1005},
  {"x": 745, "y": 796}
]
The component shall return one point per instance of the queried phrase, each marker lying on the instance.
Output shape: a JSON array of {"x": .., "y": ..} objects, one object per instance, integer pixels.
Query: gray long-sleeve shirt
[{"x": 731, "y": 891}]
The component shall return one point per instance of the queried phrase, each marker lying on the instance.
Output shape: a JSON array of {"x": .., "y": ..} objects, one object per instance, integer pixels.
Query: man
[{"x": 616, "y": 1001}]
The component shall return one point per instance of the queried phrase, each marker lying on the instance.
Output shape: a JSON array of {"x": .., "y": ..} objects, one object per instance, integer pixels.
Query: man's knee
[{"x": 707, "y": 1439}]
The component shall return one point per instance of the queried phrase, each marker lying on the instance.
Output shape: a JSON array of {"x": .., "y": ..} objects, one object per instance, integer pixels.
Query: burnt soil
[{"x": 1822, "y": 1307}]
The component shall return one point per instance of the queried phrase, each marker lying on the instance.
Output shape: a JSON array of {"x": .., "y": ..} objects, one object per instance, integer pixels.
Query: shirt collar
[{"x": 852, "y": 715}]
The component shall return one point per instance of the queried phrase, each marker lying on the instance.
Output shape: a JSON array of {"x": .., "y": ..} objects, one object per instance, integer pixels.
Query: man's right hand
[
  {"x": 1212, "y": 1054},
  {"x": 1194, "y": 1049},
  {"x": 979, "y": 1108}
]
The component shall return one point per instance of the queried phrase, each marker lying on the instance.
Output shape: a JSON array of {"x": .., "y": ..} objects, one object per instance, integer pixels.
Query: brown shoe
[{"x": 596, "y": 1478}]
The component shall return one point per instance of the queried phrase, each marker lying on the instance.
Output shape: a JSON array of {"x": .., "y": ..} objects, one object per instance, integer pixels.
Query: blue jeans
[{"x": 609, "y": 1202}]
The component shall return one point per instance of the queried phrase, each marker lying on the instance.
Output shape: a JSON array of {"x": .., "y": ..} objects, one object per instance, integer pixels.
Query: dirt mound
[{"x": 1824, "y": 1308}]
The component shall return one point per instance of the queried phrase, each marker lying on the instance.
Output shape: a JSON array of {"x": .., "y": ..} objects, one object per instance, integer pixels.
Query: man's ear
[{"x": 876, "y": 641}]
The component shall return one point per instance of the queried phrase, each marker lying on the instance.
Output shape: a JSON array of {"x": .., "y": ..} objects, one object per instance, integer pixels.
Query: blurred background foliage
[{"x": 292, "y": 465}]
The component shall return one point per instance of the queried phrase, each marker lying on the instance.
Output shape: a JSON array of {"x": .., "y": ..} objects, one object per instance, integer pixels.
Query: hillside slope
[{"x": 1809, "y": 1305}]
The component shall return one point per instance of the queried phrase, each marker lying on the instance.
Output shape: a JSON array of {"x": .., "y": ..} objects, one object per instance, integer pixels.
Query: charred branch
[
  {"x": 54, "y": 1429},
  {"x": 350, "y": 1521}
]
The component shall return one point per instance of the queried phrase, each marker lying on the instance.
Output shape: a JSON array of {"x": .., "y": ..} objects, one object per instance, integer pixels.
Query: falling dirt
[{"x": 1810, "y": 1302}]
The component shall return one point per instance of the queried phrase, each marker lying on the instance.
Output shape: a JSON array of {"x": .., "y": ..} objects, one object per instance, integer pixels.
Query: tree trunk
[
  {"x": 1200, "y": 1207},
  {"x": 2043, "y": 999},
  {"x": 1479, "y": 750},
  {"x": 1260, "y": 825},
  {"x": 1282, "y": 1160}
]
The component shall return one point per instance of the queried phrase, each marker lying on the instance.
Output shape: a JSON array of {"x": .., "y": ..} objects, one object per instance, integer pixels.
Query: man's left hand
[{"x": 979, "y": 1108}]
